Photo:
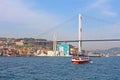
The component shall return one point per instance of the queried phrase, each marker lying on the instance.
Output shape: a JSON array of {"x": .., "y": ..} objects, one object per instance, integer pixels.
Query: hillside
[{"x": 111, "y": 51}]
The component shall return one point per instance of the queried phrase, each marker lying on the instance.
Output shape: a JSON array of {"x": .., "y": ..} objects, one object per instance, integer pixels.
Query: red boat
[{"x": 80, "y": 59}]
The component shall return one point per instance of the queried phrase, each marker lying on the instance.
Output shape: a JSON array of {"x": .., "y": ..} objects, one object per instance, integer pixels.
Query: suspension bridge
[{"x": 86, "y": 40}]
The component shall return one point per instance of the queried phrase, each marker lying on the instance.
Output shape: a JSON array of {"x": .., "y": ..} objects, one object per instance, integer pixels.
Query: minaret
[{"x": 80, "y": 33}]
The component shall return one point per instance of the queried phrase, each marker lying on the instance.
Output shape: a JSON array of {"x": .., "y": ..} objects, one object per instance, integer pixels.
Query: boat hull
[{"x": 79, "y": 61}]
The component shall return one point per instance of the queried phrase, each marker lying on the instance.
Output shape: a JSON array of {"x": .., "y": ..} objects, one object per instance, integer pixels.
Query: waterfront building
[
  {"x": 20, "y": 43},
  {"x": 63, "y": 49}
]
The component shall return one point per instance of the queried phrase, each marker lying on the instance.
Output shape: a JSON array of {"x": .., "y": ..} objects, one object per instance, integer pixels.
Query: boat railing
[{"x": 84, "y": 58}]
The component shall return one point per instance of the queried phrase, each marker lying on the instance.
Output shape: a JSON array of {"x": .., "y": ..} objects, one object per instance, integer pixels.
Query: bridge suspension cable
[
  {"x": 101, "y": 20},
  {"x": 58, "y": 26}
]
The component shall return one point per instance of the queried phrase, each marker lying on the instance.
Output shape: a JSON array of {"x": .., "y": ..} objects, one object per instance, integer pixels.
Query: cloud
[
  {"x": 98, "y": 3},
  {"x": 16, "y": 11},
  {"x": 20, "y": 19},
  {"x": 102, "y": 7},
  {"x": 109, "y": 13}
]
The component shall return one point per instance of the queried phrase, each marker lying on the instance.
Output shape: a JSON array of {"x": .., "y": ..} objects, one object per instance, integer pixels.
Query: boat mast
[{"x": 80, "y": 33}]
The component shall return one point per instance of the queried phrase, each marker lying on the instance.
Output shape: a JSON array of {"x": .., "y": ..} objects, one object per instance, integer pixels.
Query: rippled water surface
[{"x": 56, "y": 68}]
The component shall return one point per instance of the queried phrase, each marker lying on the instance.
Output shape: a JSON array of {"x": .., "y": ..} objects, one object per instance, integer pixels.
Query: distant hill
[
  {"x": 111, "y": 51},
  {"x": 115, "y": 50}
]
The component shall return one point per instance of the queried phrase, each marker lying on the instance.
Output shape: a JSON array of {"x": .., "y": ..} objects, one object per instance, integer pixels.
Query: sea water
[{"x": 58, "y": 68}]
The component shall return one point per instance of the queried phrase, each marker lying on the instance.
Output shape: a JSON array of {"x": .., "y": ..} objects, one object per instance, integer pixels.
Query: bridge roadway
[{"x": 100, "y": 40}]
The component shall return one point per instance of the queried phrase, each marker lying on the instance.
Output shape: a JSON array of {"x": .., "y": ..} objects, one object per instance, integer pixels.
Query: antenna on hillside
[{"x": 54, "y": 43}]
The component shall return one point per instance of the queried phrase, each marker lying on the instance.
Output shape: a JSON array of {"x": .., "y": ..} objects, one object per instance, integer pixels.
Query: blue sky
[{"x": 31, "y": 18}]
